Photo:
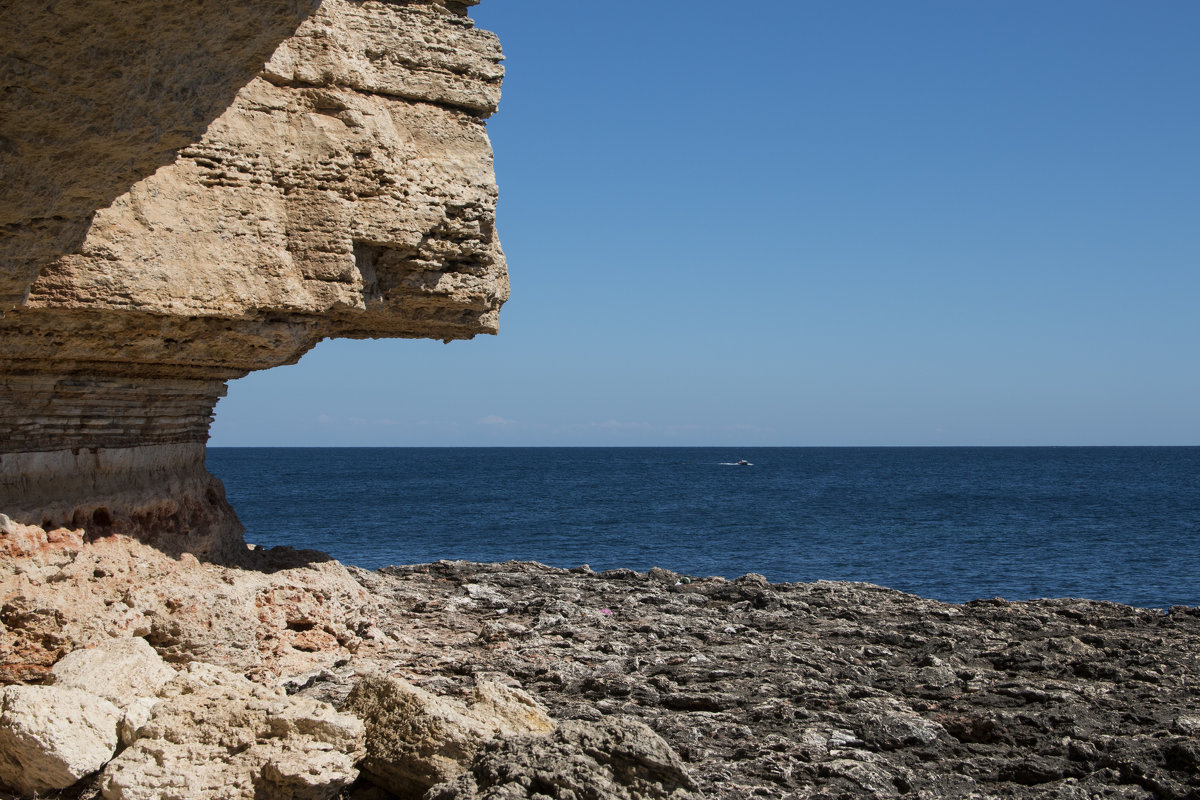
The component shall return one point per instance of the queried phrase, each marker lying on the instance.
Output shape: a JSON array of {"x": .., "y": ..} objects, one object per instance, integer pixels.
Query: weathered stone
[
  {"x": 179, "y": 218},
  {"x": 119, "y": 670},
  {"x": 416, "y": 739},
  {"x": 890, "y": 731},
  {"x": 50, "y": 736},
  {"x": 134, "y": 716},
  {"x": 822, "y": 689},
  {"x": 215, "y": 734},
  {"x": 305, "y": 774},
  {"x": 618, "y": 759},
  {"x": 72, "y": 595},
  {"x": 98, "y": 95},
  {"x": 1187, "y": 724}
]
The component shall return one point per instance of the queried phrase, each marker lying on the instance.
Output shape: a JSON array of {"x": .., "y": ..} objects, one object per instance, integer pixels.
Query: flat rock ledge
[{"x": 518, "y": 680}]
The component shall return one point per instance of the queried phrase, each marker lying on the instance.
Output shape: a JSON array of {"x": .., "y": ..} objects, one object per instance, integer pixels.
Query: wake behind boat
[{"x": 739, "y": 463}]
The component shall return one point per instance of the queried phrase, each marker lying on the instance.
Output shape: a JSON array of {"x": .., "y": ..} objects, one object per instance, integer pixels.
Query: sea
[{"x": 1120, "y": 524}]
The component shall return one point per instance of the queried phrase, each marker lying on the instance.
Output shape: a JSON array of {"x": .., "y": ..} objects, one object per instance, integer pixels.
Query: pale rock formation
[
  {"x": 416, "y": 739},
  {"x": 294, "y": 613},
  {"x": 194, "y": 191},
  {"x": 119, "y": 670},
  {"x": 98, "y": 95},
  {"x": 216, "y": 735},
  {"x": 51, "y": 736}
]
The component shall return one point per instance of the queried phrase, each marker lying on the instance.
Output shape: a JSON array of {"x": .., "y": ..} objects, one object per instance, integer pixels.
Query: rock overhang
[{"x": 344, "y": 189}]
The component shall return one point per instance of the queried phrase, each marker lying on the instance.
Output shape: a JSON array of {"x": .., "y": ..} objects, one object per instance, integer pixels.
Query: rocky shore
[
  {"x": 196, "y": 192},
  {"x": 293, "y": 676},
  {"x": 827, "y": 689}
]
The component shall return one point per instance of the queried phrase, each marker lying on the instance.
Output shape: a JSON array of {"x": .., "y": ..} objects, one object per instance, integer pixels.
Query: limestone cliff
[{"x": 197, "y": 190}]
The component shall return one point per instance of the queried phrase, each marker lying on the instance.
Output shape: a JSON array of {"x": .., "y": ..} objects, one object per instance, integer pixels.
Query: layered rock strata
[{"x": 213, "y": 195}]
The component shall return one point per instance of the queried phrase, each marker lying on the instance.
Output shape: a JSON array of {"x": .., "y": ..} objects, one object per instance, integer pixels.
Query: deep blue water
[{"x": 955, "y": 524}]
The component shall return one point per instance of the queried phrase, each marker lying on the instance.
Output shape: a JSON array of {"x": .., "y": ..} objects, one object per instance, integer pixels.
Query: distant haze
[{"x": 812, "y": 223}]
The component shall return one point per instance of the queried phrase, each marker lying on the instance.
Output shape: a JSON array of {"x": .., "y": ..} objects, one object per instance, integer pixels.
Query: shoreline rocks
[
  {"x": 519, "y": 680},
  {"x": 277, "y": 613},
  {"x": 824, "y": 689},
  {"x": 416, "y": 740}
]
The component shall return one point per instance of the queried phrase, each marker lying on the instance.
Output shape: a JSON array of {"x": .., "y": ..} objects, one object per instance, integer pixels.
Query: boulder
[
  {"x": 51, "y": 736},
  {"x": 214, "y": 734},
  {"x": 616, "y": 759},
  {"x": 119, "y": 670},
  {"x": 416, "y": 739},
  {"x": 133, "y": 717}
]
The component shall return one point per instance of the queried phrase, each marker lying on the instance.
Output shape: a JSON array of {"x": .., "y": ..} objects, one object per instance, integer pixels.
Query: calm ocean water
[{"x": 955, "y": 524}]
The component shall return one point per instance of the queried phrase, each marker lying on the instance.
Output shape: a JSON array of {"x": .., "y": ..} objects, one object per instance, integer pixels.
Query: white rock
[
  {"x": 895, "y": 730},
  {"x": 50, "y": 736},
  {"x": 119, "y": 670},
  {"x": 159, "y": 770},
  {"x": 213, "y": 735},
  {"x": 198, "y": 676},
  {"x": 486, "y": 594},
  {"x": 507, "y": 709},
  {"x": 136, "y": 715},
  {"x": 305, "y": 774}
]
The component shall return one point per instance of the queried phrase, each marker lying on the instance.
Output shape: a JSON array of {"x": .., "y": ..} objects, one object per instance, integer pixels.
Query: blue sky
[{"x": 812, "y": 223}]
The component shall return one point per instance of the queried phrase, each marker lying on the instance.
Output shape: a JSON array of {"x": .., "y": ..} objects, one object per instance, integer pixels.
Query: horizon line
[{"x": 683, "y": 446}]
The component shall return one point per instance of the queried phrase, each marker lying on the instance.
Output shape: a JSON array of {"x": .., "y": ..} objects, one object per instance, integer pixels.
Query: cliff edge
[{"x": 194, "y": 191}]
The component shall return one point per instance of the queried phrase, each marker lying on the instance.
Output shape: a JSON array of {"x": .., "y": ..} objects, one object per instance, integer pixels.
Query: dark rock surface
[
  {"x": 817, "y": 690},
  {"x": 617, "y": 759}
]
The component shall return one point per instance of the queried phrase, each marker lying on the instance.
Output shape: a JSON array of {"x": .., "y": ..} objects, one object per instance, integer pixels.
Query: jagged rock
[
  {"x": 119, "y": 670},
  {"x": 214, "y": 734},
  {"x": 506, "y": 709},
  {"x": 617, "y": 759},
  {"x": 890, "y": 731},
  {"x": 52, "y": 736},
  {"x": 416, "y": 739},
  {"x": 823, "y": 689},
  {"x": 177, "y": 214}
]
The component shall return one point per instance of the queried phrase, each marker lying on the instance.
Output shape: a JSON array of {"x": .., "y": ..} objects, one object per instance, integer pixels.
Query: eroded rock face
[
  {"x": 334, "y": 178},
  {"x": 98, "y": 94}
]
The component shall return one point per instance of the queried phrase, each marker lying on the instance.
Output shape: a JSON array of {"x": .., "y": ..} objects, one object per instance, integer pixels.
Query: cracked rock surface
[{"x": 821, "y": 690}]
